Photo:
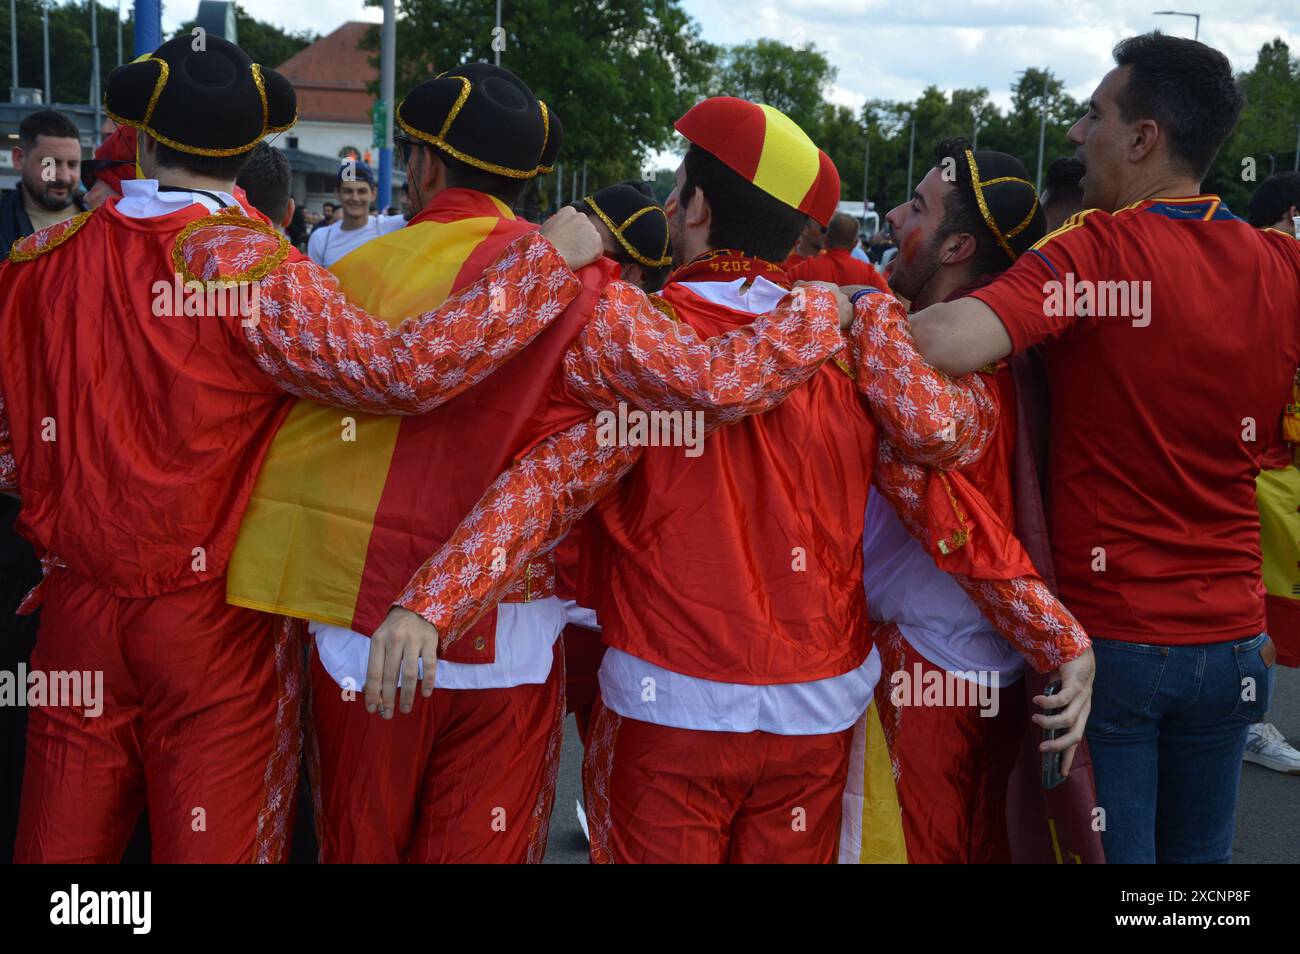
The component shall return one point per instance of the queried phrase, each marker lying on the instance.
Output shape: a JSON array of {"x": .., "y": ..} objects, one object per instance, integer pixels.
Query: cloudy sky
[{"x": 892, "y": 49}]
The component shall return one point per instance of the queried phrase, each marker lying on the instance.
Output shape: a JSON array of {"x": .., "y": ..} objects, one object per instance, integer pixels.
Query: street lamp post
[
  {"x": 94, "y": 70},
  {"x": 911, "y": 150},
  {"x": 1042, "y": 134},
  {"x": 1042, "y": 124},
  {"x": 45, "y": 52},
  {"x": 866, "y": 171},
  {"x": 496, "y": 34},
  {"x": 1196, "y": 34},
  {"x": 387, "y": 81},
  {"x": 13, "y": 45}
]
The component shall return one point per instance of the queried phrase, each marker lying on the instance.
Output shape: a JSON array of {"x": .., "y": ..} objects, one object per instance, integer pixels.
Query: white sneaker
[
  {"x": 582, "y": 818},
  {"x": 1265, "y": 746}
]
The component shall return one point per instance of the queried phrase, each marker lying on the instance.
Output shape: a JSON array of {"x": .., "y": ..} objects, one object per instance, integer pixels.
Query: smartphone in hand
[{"x": 1052, "y": 776}]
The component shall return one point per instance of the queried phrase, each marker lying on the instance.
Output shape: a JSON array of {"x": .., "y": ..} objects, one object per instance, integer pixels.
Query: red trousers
[
  {"x": 952, "y": 765},
  {"x": 201, "y": 722},
  {"x": 468, "y": 775},
  {"x": 656, "y": 794}
]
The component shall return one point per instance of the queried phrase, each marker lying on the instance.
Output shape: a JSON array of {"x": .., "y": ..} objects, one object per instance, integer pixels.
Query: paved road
[{"x": 1268, "y": 807}]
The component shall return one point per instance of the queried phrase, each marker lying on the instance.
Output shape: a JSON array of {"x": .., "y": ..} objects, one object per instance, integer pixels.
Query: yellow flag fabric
[
  {"x": 1278, "y": 493},
  {"x": 872, "y": 829},
  {"x": 303, "y": 542}
]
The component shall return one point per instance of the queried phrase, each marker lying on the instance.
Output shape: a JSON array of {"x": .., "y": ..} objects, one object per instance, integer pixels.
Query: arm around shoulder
[{"x": 961, "y": 336}]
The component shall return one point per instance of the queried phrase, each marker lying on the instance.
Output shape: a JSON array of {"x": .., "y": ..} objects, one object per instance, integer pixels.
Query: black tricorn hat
[
  {"x": 486, "y": 117},
  {"x": 554, "y": 139},
  {"x": 1008, "y": 201},
  {"x": 639, "y": 224},
  {"x": 210, "y": 101}
]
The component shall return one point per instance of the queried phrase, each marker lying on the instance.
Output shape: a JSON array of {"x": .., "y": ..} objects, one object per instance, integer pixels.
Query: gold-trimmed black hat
[
  {"x": 639, "y": 224},
  {"x": 486, "y": 117},
  {"x": 1008, "y": 201},
  {"x": 211, "y": 101}
]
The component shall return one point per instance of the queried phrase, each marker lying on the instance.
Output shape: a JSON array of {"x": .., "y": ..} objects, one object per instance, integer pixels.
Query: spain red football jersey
[
  {"x": 1171, "y": 332},
  {"x": 838, "y": 267}
]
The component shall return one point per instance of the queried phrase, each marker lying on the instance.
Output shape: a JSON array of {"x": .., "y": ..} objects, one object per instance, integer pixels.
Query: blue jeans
[{"x": 1167, "y": 732}]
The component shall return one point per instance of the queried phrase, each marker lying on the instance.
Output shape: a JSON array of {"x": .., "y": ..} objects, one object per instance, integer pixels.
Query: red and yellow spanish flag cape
[
  {"x": 1277, "y": 491},
  {"x": 304, "y": 548},
  {"x": 1278, "y": 494}
]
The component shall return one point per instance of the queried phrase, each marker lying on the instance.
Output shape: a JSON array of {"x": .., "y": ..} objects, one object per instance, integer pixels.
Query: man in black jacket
[{"x": 48, "y": 157}]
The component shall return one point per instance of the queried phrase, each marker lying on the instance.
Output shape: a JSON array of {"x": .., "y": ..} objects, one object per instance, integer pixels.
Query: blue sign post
[{"x": 148, "y": 26}]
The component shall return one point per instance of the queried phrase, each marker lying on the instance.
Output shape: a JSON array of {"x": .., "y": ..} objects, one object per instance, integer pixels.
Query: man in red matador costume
[
  {"x": 951, "y": 701},
  {"x": 335, "y": 529},
  {"x": 747, "y": 739},
  {"x": 137, "y": 408}
]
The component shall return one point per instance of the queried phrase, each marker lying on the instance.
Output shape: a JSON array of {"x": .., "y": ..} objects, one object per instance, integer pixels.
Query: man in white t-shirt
[{"x": 356, "y": 187}]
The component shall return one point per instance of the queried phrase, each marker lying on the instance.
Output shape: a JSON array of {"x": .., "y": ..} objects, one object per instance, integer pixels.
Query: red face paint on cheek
[
  {"x": 670, "y": 207},
  {"x": 907, "y": 254}
]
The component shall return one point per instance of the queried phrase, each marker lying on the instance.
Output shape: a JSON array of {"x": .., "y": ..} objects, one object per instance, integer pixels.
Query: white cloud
[
  {"x": 892, "y": 49},
  {"x": 319, "y": 16}
]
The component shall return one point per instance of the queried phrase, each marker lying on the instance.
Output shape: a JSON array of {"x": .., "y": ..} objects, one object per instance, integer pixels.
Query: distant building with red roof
[{"x": 332, "y": 78}]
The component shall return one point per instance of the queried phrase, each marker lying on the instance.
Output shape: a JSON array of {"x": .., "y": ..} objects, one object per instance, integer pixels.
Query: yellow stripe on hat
[
  {"x": 304, "y": 540},
  {"x": 789, "y": 162}
]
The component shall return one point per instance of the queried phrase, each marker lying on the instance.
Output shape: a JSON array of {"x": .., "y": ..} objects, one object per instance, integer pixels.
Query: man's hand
[
  {"x": 401, "y": 641},
  {"x": 574, "y": 237},
  {"x": 1072, "y": 705},
  {"x": 841, "y": 301}
]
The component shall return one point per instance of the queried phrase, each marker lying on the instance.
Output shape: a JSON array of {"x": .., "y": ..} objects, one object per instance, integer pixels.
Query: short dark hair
[
  {"x": 221, "y": 168},
  {"x": 843, "y": 231},
  {"x": 1272, "y": 198},
  {"x": 744, "y": 217},
  {"x": 461, "y": 175},
  {"x": 267, "y": 180},
  {"x": 45, "y": 122},
  {"x": 961, "y": 211},
  {"x": 1061, "y": 181},
  {"x": 1188, "y": 88}
]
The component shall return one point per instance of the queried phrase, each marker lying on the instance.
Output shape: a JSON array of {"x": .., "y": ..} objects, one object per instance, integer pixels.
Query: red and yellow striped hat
[{"x": 766, "y": 147}]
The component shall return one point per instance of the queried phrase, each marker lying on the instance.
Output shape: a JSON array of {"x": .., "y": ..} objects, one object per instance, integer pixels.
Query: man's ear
[
  {"x": 17, "y": 156},
  {"x": 145, "y": 147},
  {"x": 288, "y": 213},
  {"x": 1146, "y": 136},
  {"x": 699, "y": 214},
  {"x": 435, "y": 173},
  {"x": 963, "y": 251}
]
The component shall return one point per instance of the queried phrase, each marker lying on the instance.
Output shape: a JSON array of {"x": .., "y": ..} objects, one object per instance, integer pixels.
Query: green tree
[
  {"x": 264, "y": 42},
  {"x": 1016, "y": 132},
  {"x": 617, "y": 72},
  {"x": 791, "y": 79},
  {"x": 70, "y": 52},
  {"x": 843, "y": 138},
  {"x": 1265, "y": 139}
]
